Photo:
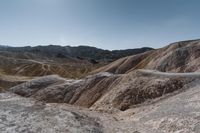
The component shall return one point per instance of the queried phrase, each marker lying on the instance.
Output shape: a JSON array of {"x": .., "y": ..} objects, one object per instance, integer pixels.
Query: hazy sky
[{"x": 108, "y": 24}]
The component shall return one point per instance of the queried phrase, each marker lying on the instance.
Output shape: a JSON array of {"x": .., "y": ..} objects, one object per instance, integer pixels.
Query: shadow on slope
[{"x": 104, "y": 91}]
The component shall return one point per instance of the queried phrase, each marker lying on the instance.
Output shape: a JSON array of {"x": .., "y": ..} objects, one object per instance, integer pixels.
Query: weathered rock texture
[
  {"x": 174, "y": 113},
  {"x": 157, "y": 92},
  {"x": 22, "y": 115}
]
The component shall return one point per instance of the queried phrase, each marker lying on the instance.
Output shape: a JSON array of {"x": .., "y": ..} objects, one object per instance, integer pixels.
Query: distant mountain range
[{"x": 79, "y": 52}]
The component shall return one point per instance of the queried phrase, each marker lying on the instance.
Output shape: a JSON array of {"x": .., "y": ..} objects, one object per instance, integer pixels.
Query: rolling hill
[
  {"x": 156, "y": 91},
  {"x": 122, "y": 84},
  {"x": 181, "y": 56},
  {"x": 68, "y": 62}
]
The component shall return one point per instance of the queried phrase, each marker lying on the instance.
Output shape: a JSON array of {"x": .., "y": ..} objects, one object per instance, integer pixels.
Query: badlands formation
[{"x": 157, "y": 91}]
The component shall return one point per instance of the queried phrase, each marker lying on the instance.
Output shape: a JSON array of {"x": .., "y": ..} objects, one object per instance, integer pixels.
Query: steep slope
[{"x": 177, "y": 57}]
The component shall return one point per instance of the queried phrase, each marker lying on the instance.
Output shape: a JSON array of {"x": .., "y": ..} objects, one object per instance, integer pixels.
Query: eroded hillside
[
  {"x": 172, "y": 112},
  {"x": 156, "y": 91},
  {"x": 67, "y": 68},
  {"x": 126, "y": 85},
  {"x": 68, "y": 62},
  {"x": 177, "y": 57}
]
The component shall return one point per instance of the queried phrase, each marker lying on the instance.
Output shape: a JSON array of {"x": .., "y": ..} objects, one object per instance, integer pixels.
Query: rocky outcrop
[{"x": 22, "y": 115}]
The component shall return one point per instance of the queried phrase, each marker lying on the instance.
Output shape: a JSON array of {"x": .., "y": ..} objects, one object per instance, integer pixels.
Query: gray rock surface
[
  {"x": 177, "y": 112},
  {"x": 23, "y": 115},
  {"x": 162, "y": 99}
]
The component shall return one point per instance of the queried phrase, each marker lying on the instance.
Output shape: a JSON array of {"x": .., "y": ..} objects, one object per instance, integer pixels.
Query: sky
[{"x": 107, "y": 24}]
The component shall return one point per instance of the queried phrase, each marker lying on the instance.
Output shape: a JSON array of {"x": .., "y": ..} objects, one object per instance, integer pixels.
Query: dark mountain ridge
[{"x": 80, "y": 52}]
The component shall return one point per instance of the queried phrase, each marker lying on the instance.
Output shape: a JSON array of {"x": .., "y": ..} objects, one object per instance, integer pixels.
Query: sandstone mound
[
  {"x": 82, "y": 92},
  {"x": 177, "y": 57},
  {"x": 104, "y": 90}
]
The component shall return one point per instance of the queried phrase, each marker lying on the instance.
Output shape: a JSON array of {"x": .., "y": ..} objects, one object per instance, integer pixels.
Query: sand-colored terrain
[{"x": 157, "y": 91}]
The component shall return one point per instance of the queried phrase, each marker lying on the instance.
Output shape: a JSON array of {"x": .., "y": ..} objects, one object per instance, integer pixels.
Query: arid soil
[
  {"x": 67, "y": 68},
  {"x": 105, "y": 91},
  {"x": 67, "y": 62},
  {"x": 173, "y": 112},
  {"x": 156, "y": 91}
]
